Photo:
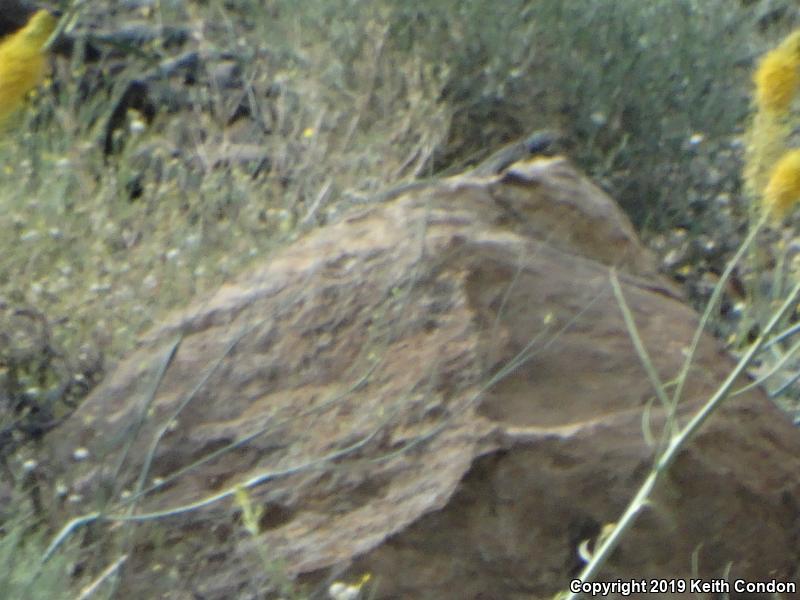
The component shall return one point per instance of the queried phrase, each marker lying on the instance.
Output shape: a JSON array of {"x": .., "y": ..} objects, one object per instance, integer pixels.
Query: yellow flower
[
  {"x": 783, "y": 189},
  {"x": 23, "y": 61},
  {"x": 765, "y": 144},
  {"x": 777, "y": 77}
]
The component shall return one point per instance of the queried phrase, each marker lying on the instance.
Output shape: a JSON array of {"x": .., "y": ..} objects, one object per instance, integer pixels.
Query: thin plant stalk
[{"x": 642, "y": 497}]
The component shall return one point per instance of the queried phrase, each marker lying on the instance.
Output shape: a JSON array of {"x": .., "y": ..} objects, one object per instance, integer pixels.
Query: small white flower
[
  {"x": 341, "y": 591},
  {"x": 696, "y": 139}
]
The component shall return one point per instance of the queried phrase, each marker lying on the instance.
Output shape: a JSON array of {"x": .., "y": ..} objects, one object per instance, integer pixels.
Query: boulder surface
[{"x": 440, "y": 392}]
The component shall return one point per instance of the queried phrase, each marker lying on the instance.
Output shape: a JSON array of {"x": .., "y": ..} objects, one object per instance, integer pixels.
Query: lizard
[{"x": 543, "y": 142}]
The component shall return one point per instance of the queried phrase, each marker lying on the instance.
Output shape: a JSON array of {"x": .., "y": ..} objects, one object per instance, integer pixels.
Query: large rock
[{"x": 438, "y": 391}]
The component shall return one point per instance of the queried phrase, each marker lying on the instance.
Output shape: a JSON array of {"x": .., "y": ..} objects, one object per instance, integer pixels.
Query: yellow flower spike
[
  {"x": 766, "y": 143},
  {"x": 777, "y": 78},
  {"x": 23, "y": 61},
  {"x": 783, "y": 189}
]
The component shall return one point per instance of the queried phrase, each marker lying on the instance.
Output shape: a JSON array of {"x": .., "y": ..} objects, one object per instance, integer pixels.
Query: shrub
[{"x": 630, "y": 82}]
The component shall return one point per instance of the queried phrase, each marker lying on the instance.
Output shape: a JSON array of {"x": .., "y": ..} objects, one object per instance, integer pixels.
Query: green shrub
[{"x": 629, "y": 82}]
